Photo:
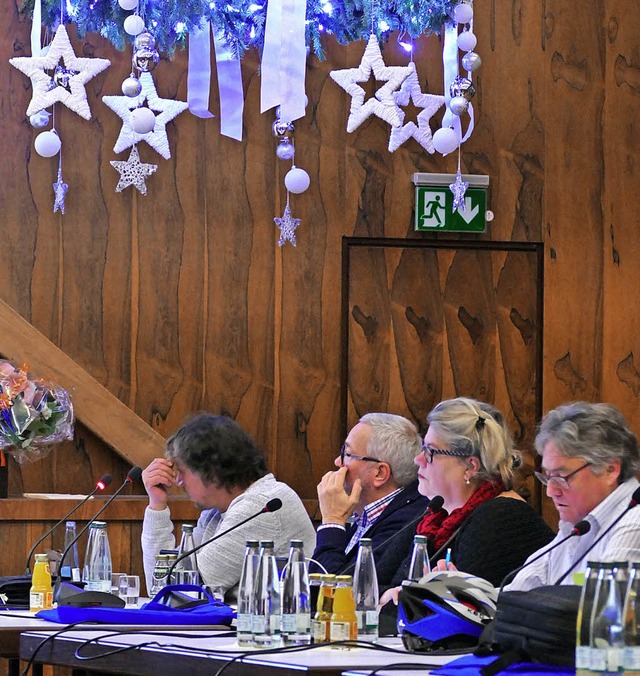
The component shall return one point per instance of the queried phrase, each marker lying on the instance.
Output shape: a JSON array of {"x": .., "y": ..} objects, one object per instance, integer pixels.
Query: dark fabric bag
[
  {"x": 14, "y": 590},
  {"x": 533, "y": 626}
]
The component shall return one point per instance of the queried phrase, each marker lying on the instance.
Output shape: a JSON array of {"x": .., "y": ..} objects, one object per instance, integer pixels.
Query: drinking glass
[{"x": 129, "y": 589}]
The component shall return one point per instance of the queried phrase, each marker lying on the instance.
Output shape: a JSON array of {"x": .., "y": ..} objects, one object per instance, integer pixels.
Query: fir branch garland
[{"x": 243, "y": 21}]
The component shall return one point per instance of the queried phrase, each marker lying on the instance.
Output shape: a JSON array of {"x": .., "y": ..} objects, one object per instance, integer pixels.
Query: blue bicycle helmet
[{"x": 445, "y": 610}]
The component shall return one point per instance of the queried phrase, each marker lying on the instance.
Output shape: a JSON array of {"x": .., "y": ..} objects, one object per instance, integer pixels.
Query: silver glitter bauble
[
  {"x": 458, "y": 105},
  {"x": 462, "y": 86},
  {"x": 40, "y": 119},
  {"x": 144, "y": 39},
  {"x": 285, "y": 149},
  {"x": 282, "y": 129},
  {"x": 62, "y": 76},
  {"x": 145, "y": 59},
  {"x": 471, "y": 61},
  {"x": 131, "y": 87}
]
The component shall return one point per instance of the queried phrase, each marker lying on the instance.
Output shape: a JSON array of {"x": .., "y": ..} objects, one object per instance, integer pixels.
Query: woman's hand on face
[{"x": 390, "y": 595}]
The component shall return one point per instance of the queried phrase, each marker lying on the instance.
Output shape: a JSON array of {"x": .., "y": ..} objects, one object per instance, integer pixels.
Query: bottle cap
[
  {"x": 42, "y": 558},
  {"x": 296, "y": 543},
  {"x": 253, "y": 543},
  {"x": 420, "y": 539},
  {"x": 344, "y": 579},
  {"x": 187, "y": 528},
  {"x": 316, "y": 578},
  {"x": 266, "y": 543},
  {"x": 327, "y": 578}
]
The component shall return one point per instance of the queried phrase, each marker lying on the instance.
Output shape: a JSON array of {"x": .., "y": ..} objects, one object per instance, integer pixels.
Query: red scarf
[{"x": 441, "y": 525}]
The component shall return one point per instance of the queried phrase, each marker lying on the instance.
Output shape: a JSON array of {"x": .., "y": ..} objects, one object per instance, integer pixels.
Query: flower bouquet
[{"x": 34, "y": 415}]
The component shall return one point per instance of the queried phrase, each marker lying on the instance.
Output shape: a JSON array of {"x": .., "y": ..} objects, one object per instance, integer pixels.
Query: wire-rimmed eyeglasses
[
  {"x": 558, "y": 480},
  {"x": 345, "y": 454}
]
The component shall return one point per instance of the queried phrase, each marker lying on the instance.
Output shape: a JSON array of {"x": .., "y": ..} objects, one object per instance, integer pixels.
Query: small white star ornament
[
  {"x": 67, "y": 85},
  {"x": 168, "y": 109},
  {"x": 458, "y": 188},
  {"x": 60, "y": 191},
  {"x": 133, "y": 172},
  {"x": 430, "y": 103},
  {"x": 383, "y": 104},
  {"x": 287, "y": 225}
]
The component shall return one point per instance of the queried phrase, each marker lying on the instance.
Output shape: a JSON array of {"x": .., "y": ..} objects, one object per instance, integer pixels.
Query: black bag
[
  {"x": 14, "y": 591},
  {"x": 533, "y": 626}
]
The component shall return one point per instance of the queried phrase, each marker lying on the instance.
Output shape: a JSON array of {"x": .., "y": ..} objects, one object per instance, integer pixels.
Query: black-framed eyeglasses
[
  {"x": 558, "y": 480},
  {"x": 345, "y": 454},
  {"x": 429, "y": 452}
]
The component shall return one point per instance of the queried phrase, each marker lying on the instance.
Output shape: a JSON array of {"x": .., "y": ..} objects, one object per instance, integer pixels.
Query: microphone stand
[
  {"x": 103, "y": 483},
  {"x": 134, "y": 474}
]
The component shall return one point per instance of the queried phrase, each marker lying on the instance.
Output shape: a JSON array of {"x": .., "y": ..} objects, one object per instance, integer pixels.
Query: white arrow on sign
[{"x": 468, "y": 214}]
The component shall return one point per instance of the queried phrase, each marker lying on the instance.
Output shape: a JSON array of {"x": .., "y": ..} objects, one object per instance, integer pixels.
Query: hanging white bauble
[
  {"x": 40, "y": 119},
  {"x": 131, "y": 87},
  {"x": 471, "y": 61},
  {"x": 463, "y": 13},
  {"x": 134, "y": 24},
  {"x": 467, "y": 41},
  {"x": 47, "y": 143},
  {"x": 458, "y": 105},
  {"x": 285, "y": 150},
  {"x": 128, "y": 4},
  {"x": 144, "y": 39},
  {"x": 282, "y": 129},
  {"x": 142, "y": 120},
  {"x": 297, "y": 180},
  {"x": 445, "y": 140}
]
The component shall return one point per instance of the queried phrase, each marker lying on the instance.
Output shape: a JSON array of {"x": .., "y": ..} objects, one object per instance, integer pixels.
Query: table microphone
[
  {"x": 635, "y": 499},
  {"x": 435, "y": 505},
  {"x": 580, "y": 528},
  {"x": 272, "y": 506},
  {"x": 100, "y": 485},
  {"x": 134, "y": 474}
]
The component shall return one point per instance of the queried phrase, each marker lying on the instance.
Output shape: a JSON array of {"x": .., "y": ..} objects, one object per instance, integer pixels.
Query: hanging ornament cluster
[
  {"x": 57, "y": 76},
  {"x": 296, "y": 180},
  {"x": 144, "y": 114}
]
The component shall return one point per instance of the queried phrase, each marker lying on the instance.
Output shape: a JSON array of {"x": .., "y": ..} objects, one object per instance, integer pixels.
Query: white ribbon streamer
[
  {"x": 270, "y": 66},
  {"x": 230, "y": 88},
  {"x": 450, "y": 62},
  {"x": 199, "y": 73},
  {"x": 293, "y": 60},
  {"x": 36, "y": 29}
]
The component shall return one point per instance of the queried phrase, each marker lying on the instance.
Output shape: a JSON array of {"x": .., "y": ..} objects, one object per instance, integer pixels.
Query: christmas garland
[{"x": 243, "y": 21}]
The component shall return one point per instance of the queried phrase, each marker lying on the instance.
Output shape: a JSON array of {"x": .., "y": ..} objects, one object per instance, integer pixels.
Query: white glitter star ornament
[
  {"x": 60, "y": 191},
  {"x": 430, "y": 103},
  {"x": 133, "y": 172},
  {"x": 287, "y": 225},
  {"x": 458, "y": 188},
  {"x": 168, "y": 109},
  {"x": 67, "y": 84},
  {"x": 382, "y": 105}
]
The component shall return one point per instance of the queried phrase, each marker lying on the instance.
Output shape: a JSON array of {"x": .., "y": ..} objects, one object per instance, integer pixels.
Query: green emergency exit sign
[{"x": 434, "y": 204}]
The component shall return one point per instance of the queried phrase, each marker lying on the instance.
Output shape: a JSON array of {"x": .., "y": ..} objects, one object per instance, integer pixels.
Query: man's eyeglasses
[
  {"x": 429, "y": 452},
  {"x": 345, "y": 454},
  {"x": 558, "y": 480}
]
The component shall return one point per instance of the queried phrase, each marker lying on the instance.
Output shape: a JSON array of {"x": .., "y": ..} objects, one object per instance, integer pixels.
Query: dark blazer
[{"x": 397, "y": 525}]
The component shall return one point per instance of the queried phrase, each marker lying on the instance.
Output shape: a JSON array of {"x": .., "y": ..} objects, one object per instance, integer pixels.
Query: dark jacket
[{"x": 395, "y": 526}]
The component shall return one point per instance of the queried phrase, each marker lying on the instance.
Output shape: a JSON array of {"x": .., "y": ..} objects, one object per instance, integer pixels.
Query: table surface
[{"x": 203, "y": 652}]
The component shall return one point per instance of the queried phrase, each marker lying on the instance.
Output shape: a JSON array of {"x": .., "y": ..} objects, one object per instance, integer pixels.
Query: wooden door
[{"x": 425, "y": 321}]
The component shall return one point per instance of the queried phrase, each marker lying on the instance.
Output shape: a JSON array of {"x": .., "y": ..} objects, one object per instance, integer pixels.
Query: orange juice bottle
[
  {"x": 322, "y": 617},
  {"x": 41, "y": 592},
  {"x": 344, "y": 624}
]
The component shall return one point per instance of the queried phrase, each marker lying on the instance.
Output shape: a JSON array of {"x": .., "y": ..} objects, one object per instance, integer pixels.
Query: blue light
[
  {"x": 407, "y": 46},
  {"x": 384, "y": 26},
  {"x": 255, "y": 8},
  {"x": 327, "y": 8},
  {"x": 180, "y": 26},
  {"x": 71, "y": 10}
]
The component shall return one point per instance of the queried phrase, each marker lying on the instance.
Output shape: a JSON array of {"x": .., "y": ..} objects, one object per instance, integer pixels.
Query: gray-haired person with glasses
[
  {"x": 372, "y": 494},
  {"x": 589, "y": 464}
]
